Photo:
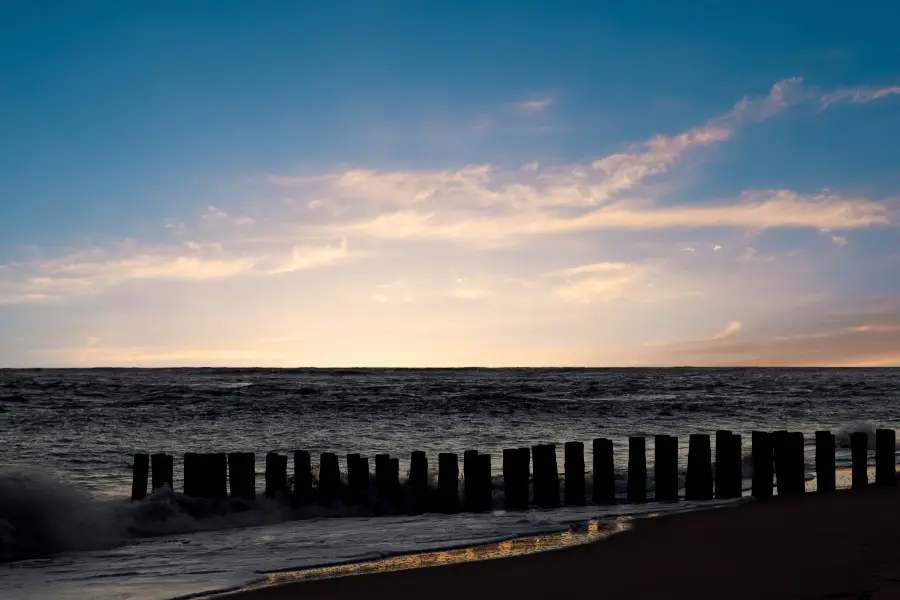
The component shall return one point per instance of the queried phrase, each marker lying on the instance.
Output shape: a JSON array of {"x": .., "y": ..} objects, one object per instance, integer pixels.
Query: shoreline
[{"x": 838, "y": 545}]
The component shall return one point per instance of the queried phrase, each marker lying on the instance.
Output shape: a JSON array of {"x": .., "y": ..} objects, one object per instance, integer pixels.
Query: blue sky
[{"x": 449, "y": 183}]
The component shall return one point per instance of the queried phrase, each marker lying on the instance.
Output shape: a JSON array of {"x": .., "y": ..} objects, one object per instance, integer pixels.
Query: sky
[{"x": 411, "y": 183}]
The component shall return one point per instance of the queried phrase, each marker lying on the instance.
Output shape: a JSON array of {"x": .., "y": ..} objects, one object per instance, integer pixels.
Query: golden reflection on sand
[{"x": 592, "y": 531}]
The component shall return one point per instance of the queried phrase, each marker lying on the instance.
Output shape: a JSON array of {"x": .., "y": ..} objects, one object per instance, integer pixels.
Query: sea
[{"x": 68, "y": 529}]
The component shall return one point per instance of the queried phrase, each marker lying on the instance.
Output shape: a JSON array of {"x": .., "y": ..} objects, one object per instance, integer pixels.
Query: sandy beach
[{"x": 843, "y": 545}]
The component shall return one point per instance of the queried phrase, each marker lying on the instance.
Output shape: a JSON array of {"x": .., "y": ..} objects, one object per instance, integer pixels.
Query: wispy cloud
[
  {"x": 731, "y": 330},
  {"x": 533, "y": 105},
  {"x": 858, "y": 95}
]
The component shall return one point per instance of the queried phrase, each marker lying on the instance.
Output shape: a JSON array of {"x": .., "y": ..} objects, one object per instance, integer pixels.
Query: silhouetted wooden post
[
  {"x": 604, "y": 472},
  {"x": 699, "y": 480},
  {"x": 303, "y": 484},
  {"x": 523, "y": 465},
  {"x": 574, "y": 474},
  {"x": 859, "y": 446},
  {"x": 218, "y": 480},
  {"x": 737, "y": 465},
  {"x": 511, "y": 482},
  {"x": 354, "y": 479},
  {"x": 763, "y": 463},
  {"x": 394, "y": 485},
  {"x": 484, "y": 495},
  {"x": 448, "y": 482},
  {"x": 276, "y": 474},
  {"x": 242, "y": 475},
  {"x": 329, "y": 478},
  {"x": 782, "y": 462},
  {"x": 825, "y": 475},
  {"x": 797, "y": 461},
  {"x": 191, "y": 471},
  {"x": 885, "y": 448},
  {"x": 418, "y": 482},
  {"x": 637, "y": 469},
  {"x": 546, "y": 476},
  {"x": 725, "y": 475},
  {"x": 162, "y": 470},
  {"x": 382, "y": 475},
  {"x": 470, "y": 479},
  {"x": 665, "y": 469},
  {"x": 140, "y": 476}
]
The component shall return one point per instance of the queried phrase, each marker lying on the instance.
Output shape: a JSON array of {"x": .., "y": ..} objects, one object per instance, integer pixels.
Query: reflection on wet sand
[{"x": 581, "y": 534}]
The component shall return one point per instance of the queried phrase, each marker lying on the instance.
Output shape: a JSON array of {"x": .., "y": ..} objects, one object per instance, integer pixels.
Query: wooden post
[
  {"x": 511, "y": 483},
  {"x": 763, "y": 463},
  {"x": 242, "y": 475},
  {"x": 162, "y": 471},
  {"x": 192, "y": 469},
  {"x": 394, "y": 484},
  {"x": 470, "y": 479},
  {"x": 637, "y": 469},
  {"x": 523, "y": 466},
  {"x": 303, "y": 487},
  {"x": 825, "y": 475},
  {"x": 418, "y": 482},
  {"x": 859, "y": 447},
  {"x": 782, "y": 462},
  {"x": 484, "y": 494},
  {"x": 139, "y": 477},
  {"x": 665, "y": 458},
  {"x": 737, "y": 466},
  {"x": 329, "y": 478},
  {"x": 604, "y": 472},
  {"x": 218, "y": 464},
  {"x": 546, "y": 476},
  {"x": 797, "y": 462},
  {"x": 885, "y": 448},
  {"x": 354, "y": 479},
  {"x": 276, "y": 474},
  {"x": 574, "y": 466},
  {"x": 699, "y": 480},
  {"x": 448, "y": 482},
  {"x": 382, "y": 475},
  {"x": 724, "y": 466}
]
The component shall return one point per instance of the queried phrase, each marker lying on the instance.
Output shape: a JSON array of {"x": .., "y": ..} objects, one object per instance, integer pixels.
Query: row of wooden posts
[{"x": 779, "y": 454}]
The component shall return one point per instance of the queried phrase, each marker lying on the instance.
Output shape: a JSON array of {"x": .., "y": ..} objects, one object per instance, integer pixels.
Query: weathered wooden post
[
  {"x": 382, "y": 475},
  {"x": 140, "y": 476},
  {"x": 574, "y": 473},
  {"x": 470, "y": 479},
  {"x": 724, "y": 484},
  {"x": 448, "y": 482},
  {"x": 276, "y": 474},
  {"x": 329, "y": 478},
  {"x": 162, "y": 470},
  {"x": 511, "y": 484},
  {"x": 484, "y": 488},
  {"x": 192, "y": 468},
  {"x": 303, "y": 480},
  {"x": 418, "y": 482},
  {"x": 354, "y": 477},
  {"x": 242, "y": 475},
  {"x": 523, "y": 465},
  {"x": 665, "y": 459},
  {"x": 782, "y": 462},
  {"x": 218, "y": 464},
  {"x": 825, "y": 467},
  {"x": 699, "y": 480},
  {"x": 797, "y": 462},
  {"x": 859, "y": 447},
  {"x": 763, "y": 463},
  {"x": 604, "y": 472},
  {"x": 546, "y": 476},
  {"x": 637, "y": 469},
  {"x": 885, "y": 449},
  {"x": 737, "y": 466}
]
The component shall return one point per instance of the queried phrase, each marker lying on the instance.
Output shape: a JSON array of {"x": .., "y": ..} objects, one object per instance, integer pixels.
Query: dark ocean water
[{"x": 67, "y": 438}]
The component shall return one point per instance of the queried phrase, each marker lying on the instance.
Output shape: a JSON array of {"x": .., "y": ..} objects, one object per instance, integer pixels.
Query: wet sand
[{"x": 842, "y": 545}]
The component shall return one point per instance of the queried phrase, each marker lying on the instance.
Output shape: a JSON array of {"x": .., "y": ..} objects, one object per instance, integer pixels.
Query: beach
[{"x": 840, "y": 545}]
